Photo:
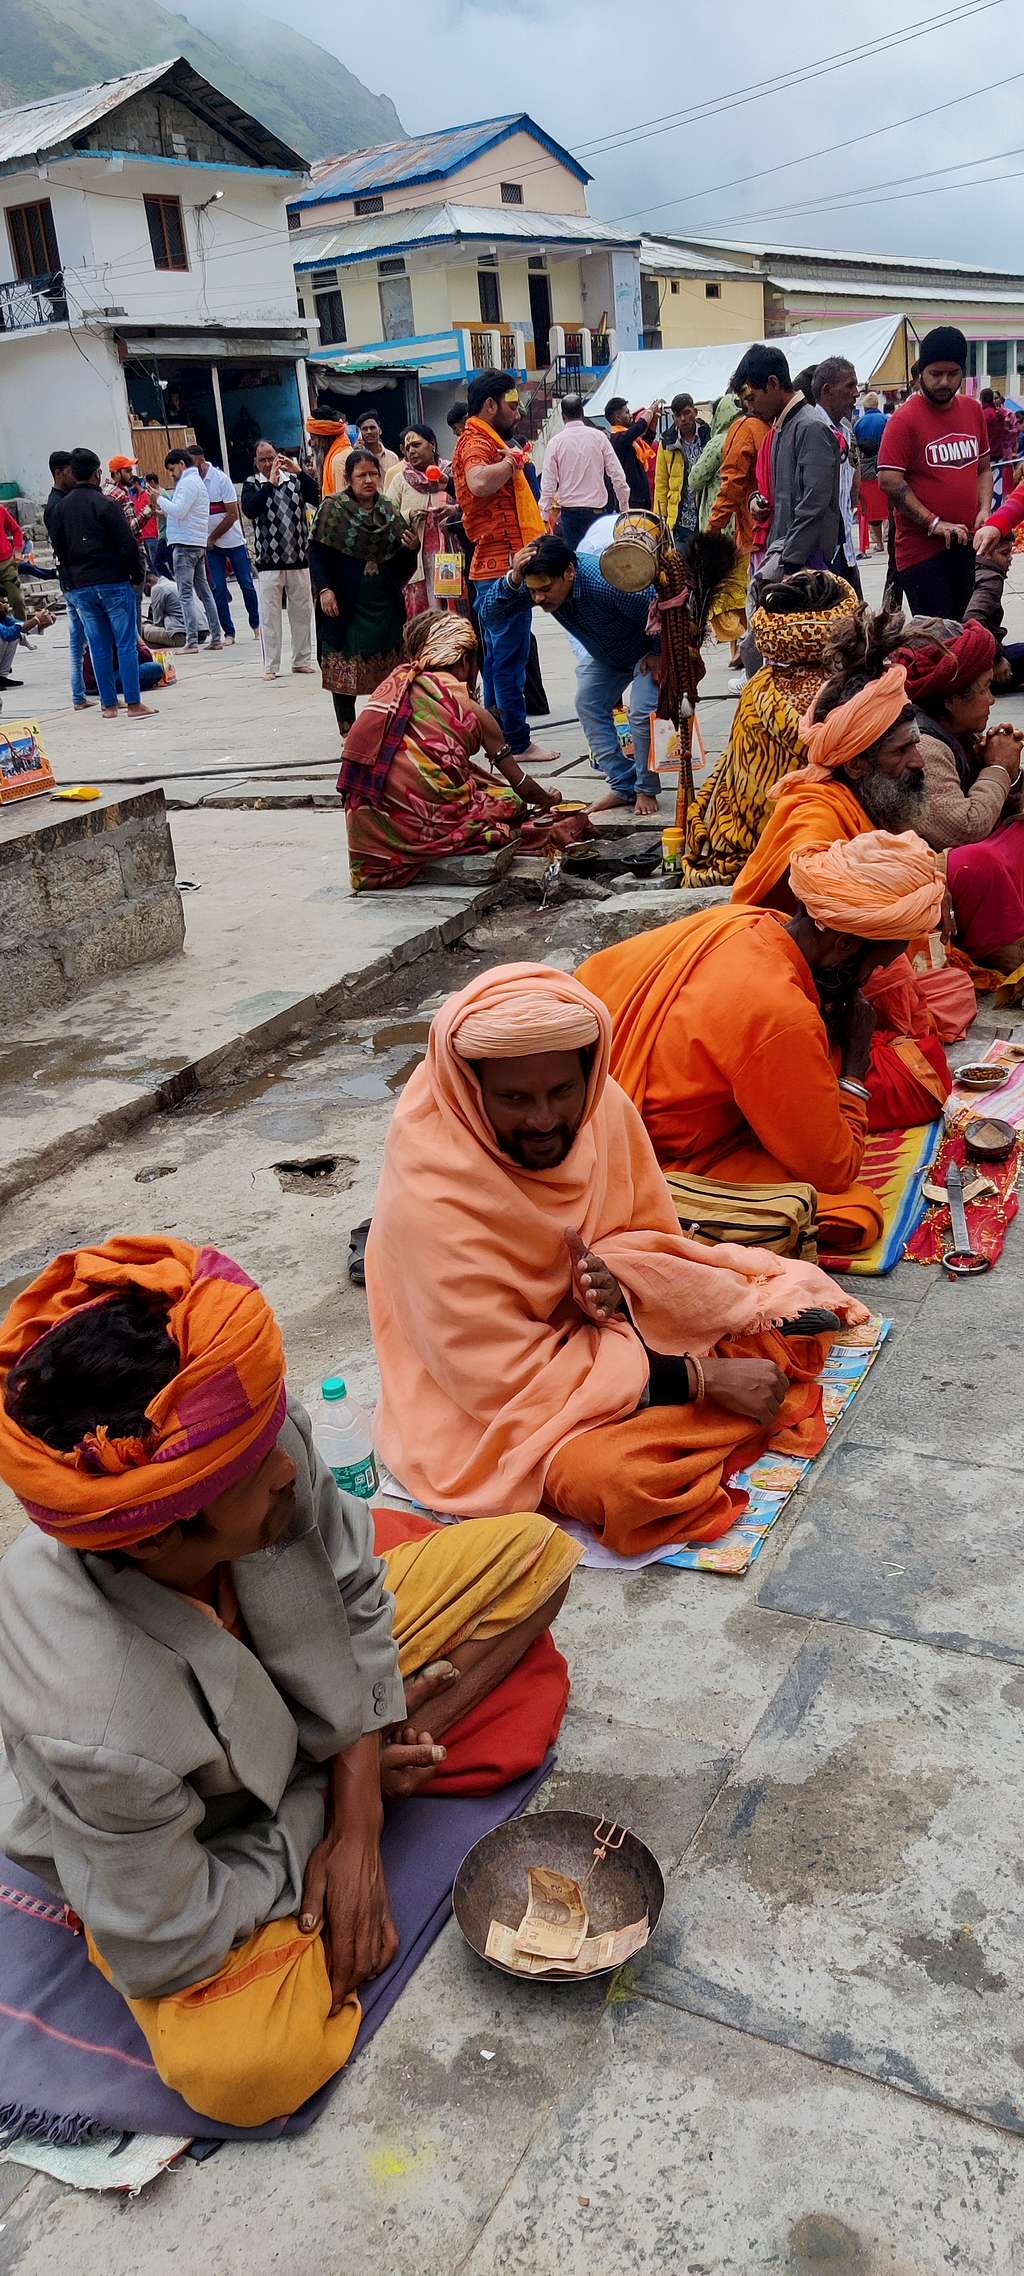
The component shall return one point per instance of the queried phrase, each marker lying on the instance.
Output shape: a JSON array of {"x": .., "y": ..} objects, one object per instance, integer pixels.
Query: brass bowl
[
  {"x": 988, "y": 1140},
  {"x": 491, "y": 1882}
]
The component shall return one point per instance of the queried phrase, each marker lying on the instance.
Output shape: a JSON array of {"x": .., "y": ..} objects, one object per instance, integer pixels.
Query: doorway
[
  {"x": 395, "y": 296},
  {"x": 540, "y": 316}
]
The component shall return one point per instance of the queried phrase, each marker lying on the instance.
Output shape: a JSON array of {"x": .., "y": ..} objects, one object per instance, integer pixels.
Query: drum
[{"x": 630, "y": 562}]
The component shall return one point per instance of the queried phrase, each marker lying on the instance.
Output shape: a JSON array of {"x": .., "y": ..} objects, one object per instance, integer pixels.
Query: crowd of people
[{"x": 250, "y": 1662}]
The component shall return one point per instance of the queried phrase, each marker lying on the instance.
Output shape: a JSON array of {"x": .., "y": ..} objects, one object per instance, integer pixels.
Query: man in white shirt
[
  {"x": 578, "y": 464},
  {"x": 186, "y": 511},
  {"x": 226, "y": 543}
]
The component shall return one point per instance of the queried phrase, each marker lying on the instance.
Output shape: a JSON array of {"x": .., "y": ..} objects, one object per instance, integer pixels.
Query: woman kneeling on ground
[{"x": 408, "y": 783}]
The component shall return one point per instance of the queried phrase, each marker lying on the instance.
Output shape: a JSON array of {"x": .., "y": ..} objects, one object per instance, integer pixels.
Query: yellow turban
[{"x": 877, "y": 887}]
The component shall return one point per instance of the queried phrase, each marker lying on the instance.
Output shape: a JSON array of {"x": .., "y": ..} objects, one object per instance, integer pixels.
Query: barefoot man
[{"x": 610, "y": 627}]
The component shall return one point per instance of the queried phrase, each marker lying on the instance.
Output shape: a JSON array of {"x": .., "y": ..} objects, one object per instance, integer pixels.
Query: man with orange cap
[
  {"x": 744, "y": 1040},
  {"x": 128, "y": 489},
  {"x": 201, "y": 1669}
]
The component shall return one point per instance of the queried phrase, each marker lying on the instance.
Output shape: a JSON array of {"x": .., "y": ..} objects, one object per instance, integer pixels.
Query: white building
[
  {"x": 145, "y": 275},
  {"x": 418, "y": 262}
]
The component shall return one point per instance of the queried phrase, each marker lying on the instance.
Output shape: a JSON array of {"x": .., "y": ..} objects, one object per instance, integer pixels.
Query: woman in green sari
[{"x": 361, "y": 555}]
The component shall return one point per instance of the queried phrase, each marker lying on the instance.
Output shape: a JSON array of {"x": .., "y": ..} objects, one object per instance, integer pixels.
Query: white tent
[{"x": 645, "y": 375}]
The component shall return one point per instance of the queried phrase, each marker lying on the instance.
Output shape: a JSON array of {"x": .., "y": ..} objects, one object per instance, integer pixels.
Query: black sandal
[
  {"x": 357, "y": 1253},
  {"x": 815, "y": 1322}
]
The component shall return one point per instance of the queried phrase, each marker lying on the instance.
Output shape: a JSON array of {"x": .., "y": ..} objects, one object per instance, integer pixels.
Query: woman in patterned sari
[
  {"x": 361, "y": 556},
  {"x": 410, "y": 790},
  {"x": 793, "y": 629}
]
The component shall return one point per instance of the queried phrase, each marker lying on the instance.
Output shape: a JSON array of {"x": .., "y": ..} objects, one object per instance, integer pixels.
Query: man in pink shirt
[{"x": 577, "y": 465}]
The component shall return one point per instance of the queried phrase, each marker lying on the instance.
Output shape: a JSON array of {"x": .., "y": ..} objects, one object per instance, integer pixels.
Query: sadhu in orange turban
[
  {"x": 851, "y": 728},
  {"x": 210, "y": 1426},
  {"x": 875, "y": 887}
]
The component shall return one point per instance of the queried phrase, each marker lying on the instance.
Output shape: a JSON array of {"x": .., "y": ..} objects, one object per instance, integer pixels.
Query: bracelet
[
  {"x": 857, "y": 1090},
  {"x": 697, "y": 1390},
  {"x": 933, "y": 524}
]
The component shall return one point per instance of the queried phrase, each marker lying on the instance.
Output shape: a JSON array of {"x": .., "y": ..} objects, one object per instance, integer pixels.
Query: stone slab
[
  {"x": 943, "y": 1387},
  {"x": 910, "y": 1545},
  {"x": 855, "y": 1891},
  {"x": 688, "y": 2150}
]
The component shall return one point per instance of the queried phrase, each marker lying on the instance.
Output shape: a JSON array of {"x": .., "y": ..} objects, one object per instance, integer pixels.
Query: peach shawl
[{"x": 487, "y": 1365}]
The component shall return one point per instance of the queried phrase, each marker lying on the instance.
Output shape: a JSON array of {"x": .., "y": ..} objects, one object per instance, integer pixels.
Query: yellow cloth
[
  {"x": 254, "y": 2041},
  {"x": 528, "y": 514}
]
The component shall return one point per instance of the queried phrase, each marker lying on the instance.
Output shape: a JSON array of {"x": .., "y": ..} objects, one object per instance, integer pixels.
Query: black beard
[
  {"x": 892, "y": 803},
  {"x": 517, "y": 1150}
]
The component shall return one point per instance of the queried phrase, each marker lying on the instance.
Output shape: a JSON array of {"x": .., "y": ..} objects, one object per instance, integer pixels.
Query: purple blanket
[{"x": 73, "y": 2061}]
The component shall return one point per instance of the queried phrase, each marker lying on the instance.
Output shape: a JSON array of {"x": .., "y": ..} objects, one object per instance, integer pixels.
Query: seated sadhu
[
  {"x": 201, "y": 1667},
  {"x": 971, "y": 807},
  {"x": 864, "y": 773},
  {"x": 545, "y": 1333},
  {"x": 743, "y": 1038}
]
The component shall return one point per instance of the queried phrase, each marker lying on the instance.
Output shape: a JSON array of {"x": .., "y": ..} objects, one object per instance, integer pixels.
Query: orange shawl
[
  {"x": 804, "y": 814},
  {"x": 487, "y": 1365},
  {"x": 640, "y": 979},
  {"x": 210, "y": 1426}
]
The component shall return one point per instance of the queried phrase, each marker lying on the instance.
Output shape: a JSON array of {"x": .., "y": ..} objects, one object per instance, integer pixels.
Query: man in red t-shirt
[{"x": 934, "y": 464}]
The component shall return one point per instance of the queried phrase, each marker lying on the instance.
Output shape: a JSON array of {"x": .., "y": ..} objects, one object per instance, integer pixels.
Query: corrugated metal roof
[
  {"x": 778, "y": 253},
  {"x": 841, "y": 289},
  {"x": 424, "y": 158},
  {"x": 444, "y": 224},
  {"x": 31, "y": 129},
  {"x": 659, "y": 258}
]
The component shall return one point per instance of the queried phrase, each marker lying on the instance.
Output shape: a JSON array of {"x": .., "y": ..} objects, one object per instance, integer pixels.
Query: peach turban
[
  {"x": 877, "y": 887},
  {"x": 852, "y": 727},
  {"x": 209, "y": 1427},
  {"x": 526, "y": 1021}
]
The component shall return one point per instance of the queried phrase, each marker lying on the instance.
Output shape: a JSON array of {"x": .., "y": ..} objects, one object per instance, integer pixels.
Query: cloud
[{"x": 588, "y": 68}]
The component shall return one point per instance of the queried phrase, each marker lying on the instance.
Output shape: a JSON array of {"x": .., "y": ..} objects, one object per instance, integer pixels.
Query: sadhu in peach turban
[
  {"x": 851, "y": 728},
  {"x": 210, "y": 1426},
  {"x": 876, "y": 887}
]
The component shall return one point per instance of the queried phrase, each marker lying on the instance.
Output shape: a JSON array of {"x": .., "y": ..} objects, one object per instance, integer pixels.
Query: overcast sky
[{"x": 587, "y": 69}]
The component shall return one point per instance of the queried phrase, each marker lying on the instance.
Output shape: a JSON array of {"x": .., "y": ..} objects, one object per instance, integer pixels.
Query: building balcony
[
  {"x": 465, "y": 349},
  {"x": 40, "y": 301}
]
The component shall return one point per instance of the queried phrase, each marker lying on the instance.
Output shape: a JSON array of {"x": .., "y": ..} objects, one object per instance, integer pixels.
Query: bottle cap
[{"x": 333, "y": 1387}]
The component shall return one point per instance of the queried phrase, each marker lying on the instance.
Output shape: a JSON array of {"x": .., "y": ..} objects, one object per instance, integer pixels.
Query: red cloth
[
  {"x": 986, "y": 883},
  {"x": 988, "y": 1221},
  {"x": 950, "y": 1000},
  {"x": 939, "y": 449},
  {"x": 510, "y": 1731},
  {"x": 874, "y": 503},
  {"x": 11, "y": 535},
  {"x": 899, "y": 1099},
  {"x": 1011, "y": 512}
]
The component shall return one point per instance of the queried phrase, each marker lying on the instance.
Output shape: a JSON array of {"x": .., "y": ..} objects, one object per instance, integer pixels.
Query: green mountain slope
[{"x": 307, "y": 96}]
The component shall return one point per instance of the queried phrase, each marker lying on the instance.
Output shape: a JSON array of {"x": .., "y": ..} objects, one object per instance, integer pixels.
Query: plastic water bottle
[{"x": 344, "y": 1439}]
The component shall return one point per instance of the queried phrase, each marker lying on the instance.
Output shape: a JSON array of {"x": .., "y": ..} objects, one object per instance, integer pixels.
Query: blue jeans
[
  {"x": 77, "y": 644},
  {"x": 505, "y": 631},
  {"x": 574, "y": 522},
  {"x": 217, "y": 559},
  {"x": 108, "y": 615},
  {"x": 599, "y": 687}
]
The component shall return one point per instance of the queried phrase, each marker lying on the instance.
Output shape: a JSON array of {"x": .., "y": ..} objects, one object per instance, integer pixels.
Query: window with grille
[
  {"x": 511, "y": 193},
  {"x": 166, "y": 232},
  {"x": 369, "y": 205},
  {"x": 713, "y": 292},
  {"x": 391, "y": 268},
  {"x": 295, "y": 221},
  {"x": 537, "y": 261},
  {"x": 329, "y": 309},
  {"x": 33, "y": 240},
  {"x": 490, "y": 296}
]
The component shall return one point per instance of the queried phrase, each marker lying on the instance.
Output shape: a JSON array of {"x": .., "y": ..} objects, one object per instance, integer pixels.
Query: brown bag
[{"x": 778, "y": 1217}]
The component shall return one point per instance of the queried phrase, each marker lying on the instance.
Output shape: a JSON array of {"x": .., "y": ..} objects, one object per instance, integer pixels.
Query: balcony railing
[
  {"x": 40, "y": 301},
  {"x": 493, "y": 347}
]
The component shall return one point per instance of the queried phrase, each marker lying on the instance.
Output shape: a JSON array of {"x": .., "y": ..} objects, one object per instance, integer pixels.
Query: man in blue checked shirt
[{"x": 612, "y": 627}]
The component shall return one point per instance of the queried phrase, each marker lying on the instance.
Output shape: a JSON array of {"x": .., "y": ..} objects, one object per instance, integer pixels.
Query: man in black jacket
[
  {"x": 101, "y": 570},
  {"x": 624, "y": 436},
  {"x": 274, "y": 500}
]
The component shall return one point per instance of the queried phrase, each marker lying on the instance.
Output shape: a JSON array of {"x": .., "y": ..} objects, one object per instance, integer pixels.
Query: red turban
[{"x": 937, "y": 668}]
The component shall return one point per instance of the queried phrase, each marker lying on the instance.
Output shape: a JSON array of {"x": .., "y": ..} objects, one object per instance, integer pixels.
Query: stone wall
[
  {"x": 84, "y": 891},
  {"x": 161, "y": 126}
]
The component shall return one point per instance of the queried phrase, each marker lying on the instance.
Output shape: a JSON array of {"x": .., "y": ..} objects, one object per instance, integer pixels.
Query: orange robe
[
  {"x": 720, "y": 1042},
  {"x": 802, "y": 814}
]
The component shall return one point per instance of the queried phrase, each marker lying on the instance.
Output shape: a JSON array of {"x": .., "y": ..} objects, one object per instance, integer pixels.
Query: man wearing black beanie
[{"x": 934, "y": 464}]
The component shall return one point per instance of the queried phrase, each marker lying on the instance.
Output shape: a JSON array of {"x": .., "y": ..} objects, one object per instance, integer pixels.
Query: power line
[{"x": 841, "y": 201}]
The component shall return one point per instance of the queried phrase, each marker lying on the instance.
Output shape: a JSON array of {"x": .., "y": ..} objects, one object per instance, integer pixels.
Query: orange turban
[
  {"x": 852, "y": 727},
  {"x": 211, "y": 1426},
  {"x": 877, "y": 887}
]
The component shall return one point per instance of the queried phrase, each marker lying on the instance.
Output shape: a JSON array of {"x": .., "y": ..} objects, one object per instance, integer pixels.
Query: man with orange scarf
[
  {"x": 744, "y": 1040},
  {"x": 864, "y": 773},
  {"x": 201, "y": 1669},
  {"x": 501, "y": 515},
  {"x": 545, "y": 1332}
]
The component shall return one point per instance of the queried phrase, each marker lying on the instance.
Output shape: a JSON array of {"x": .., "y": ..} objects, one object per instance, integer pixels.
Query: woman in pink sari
[{"x": 410, "y": 790}]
